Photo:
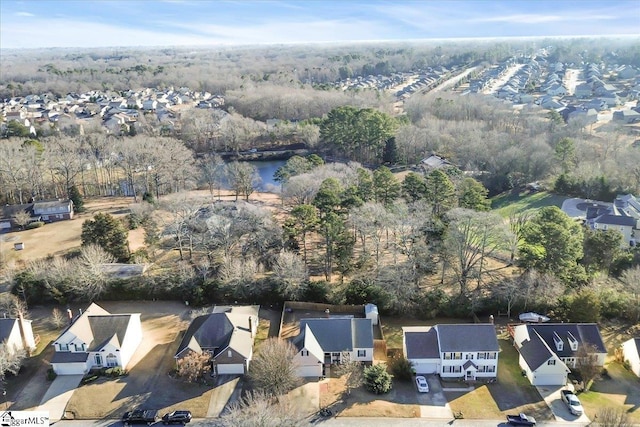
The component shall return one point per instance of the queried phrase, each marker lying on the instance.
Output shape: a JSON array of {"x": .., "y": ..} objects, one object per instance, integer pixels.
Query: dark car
[
  {"x": 521, "y": 420},
  {"x": 177, "y": 417},
  {"x": 140, "y": 416}
]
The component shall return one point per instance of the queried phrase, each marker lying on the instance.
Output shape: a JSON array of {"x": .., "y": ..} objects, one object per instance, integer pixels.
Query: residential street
[{"x": 349, "y": 422}]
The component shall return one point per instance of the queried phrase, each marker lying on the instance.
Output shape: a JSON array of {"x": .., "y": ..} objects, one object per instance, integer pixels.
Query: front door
[
  {"x": 470, "y": 375},
  {"x": 98, "y": 360}
]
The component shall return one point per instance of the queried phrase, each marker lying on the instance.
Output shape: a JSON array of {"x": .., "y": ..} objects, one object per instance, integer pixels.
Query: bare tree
[
  {"x": 243, "y": 178},
  {"x": 587, "y": 363},
  {"x": 258, "y": 409},
  {"x": 194, "y": 366},
  {"x": 273, "y": 370},
  {"x": 58, "y": 320},
  {"x": 631, "y": 279},
  {"x": 13, "y": 306},
  {"x": 352, "y": 371},
  {"x": 91, "y": 276},
  {"x": 472, "y": 236},
  {"x": 11, "y": 359},
  {"x": 611, "y": 417},
  {"x": 510, "y": 291},
  {"x": 291, "y": 272},
  {"x": 21, "y": 218}
]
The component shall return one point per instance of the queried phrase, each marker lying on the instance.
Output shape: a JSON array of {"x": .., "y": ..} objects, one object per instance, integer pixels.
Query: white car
[{"x": 422, "y": 384}]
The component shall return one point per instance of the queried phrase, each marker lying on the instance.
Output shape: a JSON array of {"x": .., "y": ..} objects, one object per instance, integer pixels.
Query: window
[
  {"x": 362, "y": 353},
  {"x": 457, "y": 356},
  {"x": 468, "y": 356},
  {"x": 79, "y": 347},
  {"x": 551, "y": 362},
  {"x": 453, "y": 356},
  {"x": 486, "y": 368},
  {"x": 451, "y": 369},
  {"x": 304, "y": 353},
  {"x": 64, "y": 347},
  {"x": 487, "y": 355},
  {"x": 229, "y": 353}
]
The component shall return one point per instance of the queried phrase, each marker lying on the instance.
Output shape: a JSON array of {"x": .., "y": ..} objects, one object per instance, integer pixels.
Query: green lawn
[
  {"x": 507, "y": 203},
  {"x": 620, "y": 391}
]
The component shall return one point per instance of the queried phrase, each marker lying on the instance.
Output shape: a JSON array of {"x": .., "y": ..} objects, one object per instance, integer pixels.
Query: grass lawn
[
  {"x": 620, "y": 391},
  {"x": 507, "y": 203},
  {"x": 512, "y": 393}
]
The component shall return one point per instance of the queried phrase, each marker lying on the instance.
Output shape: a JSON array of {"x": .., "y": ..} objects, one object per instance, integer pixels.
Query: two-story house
[
  {"x": 322, "y": 342},
  {"x": 96, "y": 339},
  {"x": 549, "y": 351},
  {"x": 468, "y": 351}
]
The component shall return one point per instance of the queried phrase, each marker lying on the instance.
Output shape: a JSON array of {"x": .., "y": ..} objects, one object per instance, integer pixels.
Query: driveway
[
  {"x": 434, "y": 404},
  {"x": 226, "y": 391},
  {"x": 552, "y": 397},
  {"x": 57, "y": 396}
]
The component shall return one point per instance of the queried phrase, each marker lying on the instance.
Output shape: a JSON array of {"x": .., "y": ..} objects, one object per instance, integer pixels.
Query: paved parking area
[
  {"x": 57, "y": 396},
  {"x": 552, "y": 397},
  {"x": 434, "y": 404}
]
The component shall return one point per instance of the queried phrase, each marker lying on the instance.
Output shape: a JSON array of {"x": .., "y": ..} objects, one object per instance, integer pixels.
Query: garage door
[
  {"x": 237, "y": 368},
  {"x": 310, "y": 371},
  {"x": 550, "y": 379},
  {"x": 425, "y": 367},
  {"x": 69, "y": 368}
]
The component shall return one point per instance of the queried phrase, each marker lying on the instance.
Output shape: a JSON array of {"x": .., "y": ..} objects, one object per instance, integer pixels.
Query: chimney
[
  {"x": 326, "y": 313},
  {"x": 491, "y": 318},
  {"x": 23, "y": 335},
  {"x": 70, "y": 315},
  {"x": 80, "y": 312},
  {"x": 251, "y": 326}
]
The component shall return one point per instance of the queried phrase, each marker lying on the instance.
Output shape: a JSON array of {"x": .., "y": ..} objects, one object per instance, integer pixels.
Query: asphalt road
[{"x": 347, "y": 422}]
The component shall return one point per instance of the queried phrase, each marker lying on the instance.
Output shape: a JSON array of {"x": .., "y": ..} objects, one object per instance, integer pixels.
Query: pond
[{"x": 266, "y": 169}]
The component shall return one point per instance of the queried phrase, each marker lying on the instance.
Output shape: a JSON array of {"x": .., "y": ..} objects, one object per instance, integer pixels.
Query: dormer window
[
  {"x": 573, "y": 342},
  {"x": 558, "y": 342},
  {"x": 229, "y": 353},
  {"x": 64, "y": 347}
]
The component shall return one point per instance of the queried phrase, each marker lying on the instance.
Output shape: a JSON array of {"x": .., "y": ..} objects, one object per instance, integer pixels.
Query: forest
[{"x": 360, "y": 220}]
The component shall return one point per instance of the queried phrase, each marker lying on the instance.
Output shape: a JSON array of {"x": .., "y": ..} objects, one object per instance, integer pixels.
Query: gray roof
[
  {"x": 69, "y": 357},
  {"x": 583, "y": 333},
  {"x": 105, "y": 328},
  {"x": 468, "y": 337},
  {"x": 6, "y": 326},
  {"x": 226, "y": 327},
  {"x": 535, "y": 352},
  {"x": 422, "y": 345},
  {"x": 616, "y": 220},
  {"x": 340, "y": 334}
]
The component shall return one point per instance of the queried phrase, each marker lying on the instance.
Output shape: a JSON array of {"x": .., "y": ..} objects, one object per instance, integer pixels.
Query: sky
[{"x": 87, "y": 23}]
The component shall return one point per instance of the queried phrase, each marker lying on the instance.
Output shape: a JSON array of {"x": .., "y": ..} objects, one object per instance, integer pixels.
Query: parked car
[
  {"x": 422, "y": 384},
  {"x": 140, "y": 416},
  {"x": 177, "y": 417},
  {"x": 572, "y": 402},
  {"x": 521, "y": 420}
]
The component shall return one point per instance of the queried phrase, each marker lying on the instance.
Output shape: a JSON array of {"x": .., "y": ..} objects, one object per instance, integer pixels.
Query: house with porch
[
  {"x": 323, "y": 342},
  {"x": 549, "y": 351},
  {"x": 96, "y": 339},
  {"x": 226, "y": 334},
  {"x": 468, "y": 351}
]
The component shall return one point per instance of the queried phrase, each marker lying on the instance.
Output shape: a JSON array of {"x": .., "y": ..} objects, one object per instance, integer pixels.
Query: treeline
[{"x": 427, "y": 245}]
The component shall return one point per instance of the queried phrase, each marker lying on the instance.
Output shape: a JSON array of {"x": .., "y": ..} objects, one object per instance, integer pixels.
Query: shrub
[
  {"x": 89, "y": 378},
  {"x": 51, "y": 375},
  {"x": 35, "y": 224},
  {"x": 401, "y": 368},
  {"x": 377, "y": 380}
]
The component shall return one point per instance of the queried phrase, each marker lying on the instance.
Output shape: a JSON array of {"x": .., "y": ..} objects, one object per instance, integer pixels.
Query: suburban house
[
  {"x": 631, "y": 354},
  {"x": 226, "y": 334},
  {"x": 322, "y": 342},
  {"x": 623, "y": 224},
  {"x": 55, "y": 210},
  {"x": 468, "y": 351},
  {"x": 17, "y": 334},
  {"x": 549, "y": 351},
  {"x": 96, "y": 339},
  {"x": 47, "y": 211}
]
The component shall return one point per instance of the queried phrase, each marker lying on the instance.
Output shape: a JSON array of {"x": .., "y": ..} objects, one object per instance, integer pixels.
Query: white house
[
  {"x": 467, "y": 351},
  {"x": 226, "y": 334},
  {"x": 17, "y": 334},
  {"x": 322, "y": 342},
  {"x": 631, "y": 354},
  {"x": 549, "y": 351},
  {"x": 96, "y": 339}
]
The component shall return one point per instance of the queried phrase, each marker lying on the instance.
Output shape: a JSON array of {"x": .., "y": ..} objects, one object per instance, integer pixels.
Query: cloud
[
  {"x": 542, "y": 19},
  {"x": 27, "y": 14}
]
